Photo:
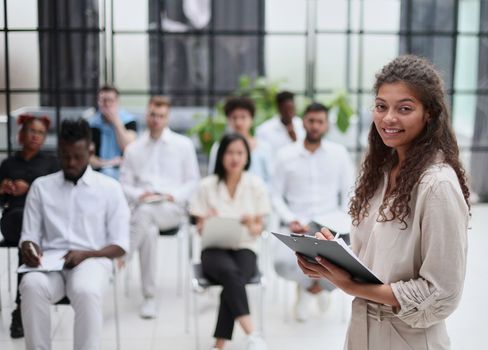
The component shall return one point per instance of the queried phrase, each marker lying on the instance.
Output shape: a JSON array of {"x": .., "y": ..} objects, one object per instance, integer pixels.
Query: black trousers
[
  {"x": 11, "y": 226},
  {"x": 232, "y": 269}
]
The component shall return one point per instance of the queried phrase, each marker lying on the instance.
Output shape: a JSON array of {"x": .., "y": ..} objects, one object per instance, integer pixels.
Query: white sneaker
[
  {"x": 303, "y": 304},
  {"x": 255, "y": 342},
  {"x": 149, "y": 308},
  {"x": 323, "y": 299}
]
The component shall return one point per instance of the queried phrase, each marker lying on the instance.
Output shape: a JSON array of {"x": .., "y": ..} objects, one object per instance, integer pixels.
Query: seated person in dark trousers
[
  {"x": 17, "y": 173},
  {"x": 232, "y": 192},
  {"x": 82, "y": 214},
  {"x": 112, "y": 130}
]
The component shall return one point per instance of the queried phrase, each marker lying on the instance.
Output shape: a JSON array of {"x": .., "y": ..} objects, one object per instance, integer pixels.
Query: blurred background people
[
  {"x": 311, "y": 178},
  {"x": 112, "y": 130},
  {"x": 286, "y": 127},
  {"x": 17, "y": 173},
  {"x": 158, "y": 175},
  {"x": 240, "y": 116}
]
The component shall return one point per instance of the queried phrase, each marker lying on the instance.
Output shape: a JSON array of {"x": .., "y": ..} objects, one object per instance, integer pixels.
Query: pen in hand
[{"x": 34, "y": 252}]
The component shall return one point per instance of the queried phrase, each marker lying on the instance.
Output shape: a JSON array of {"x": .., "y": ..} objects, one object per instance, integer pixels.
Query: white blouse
[{"x": 250, "y": 198}]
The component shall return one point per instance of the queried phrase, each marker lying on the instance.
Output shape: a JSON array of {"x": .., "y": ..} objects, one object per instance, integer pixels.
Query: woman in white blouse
[
  {"x": 232, "y": 192},
  {"x": 410, "y": 217}
]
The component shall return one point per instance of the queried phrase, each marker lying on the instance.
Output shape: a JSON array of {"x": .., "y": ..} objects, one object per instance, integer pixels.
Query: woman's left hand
[{"x": 325, "y": 269}]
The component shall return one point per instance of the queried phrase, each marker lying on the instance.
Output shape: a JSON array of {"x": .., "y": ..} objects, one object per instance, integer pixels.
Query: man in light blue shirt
[{"x": 112, "y": 130}]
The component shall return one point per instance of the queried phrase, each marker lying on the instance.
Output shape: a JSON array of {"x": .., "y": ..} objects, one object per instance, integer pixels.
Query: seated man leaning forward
[
  {"x": 85, "y": 214},
  {"x": 159, "y": 173}
]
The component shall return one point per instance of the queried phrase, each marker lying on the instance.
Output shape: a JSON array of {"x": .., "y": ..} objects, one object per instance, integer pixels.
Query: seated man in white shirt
[
  {"x": 310, "y": 179},
  {"x": 159, "y": 173},
  {"x": 285, "y": 128},
  {"x": 85, "y": 214}
]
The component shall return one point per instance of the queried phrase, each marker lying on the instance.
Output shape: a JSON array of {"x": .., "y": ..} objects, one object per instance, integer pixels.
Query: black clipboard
[{"x": 336, "y": 251}]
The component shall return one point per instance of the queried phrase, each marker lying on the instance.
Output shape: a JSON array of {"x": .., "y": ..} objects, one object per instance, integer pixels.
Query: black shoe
[{"x": 16, "y": 328}]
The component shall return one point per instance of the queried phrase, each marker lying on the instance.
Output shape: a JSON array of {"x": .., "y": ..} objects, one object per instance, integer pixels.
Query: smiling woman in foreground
[{"x": 410, "y": 216}]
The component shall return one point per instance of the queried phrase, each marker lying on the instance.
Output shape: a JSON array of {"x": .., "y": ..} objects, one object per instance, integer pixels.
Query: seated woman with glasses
[
  {"x": 232, "y": 192},
  {"x": 17, "y": 172}
]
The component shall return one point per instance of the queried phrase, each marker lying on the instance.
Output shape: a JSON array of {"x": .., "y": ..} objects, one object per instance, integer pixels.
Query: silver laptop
[{"x": 222, "y": 232}]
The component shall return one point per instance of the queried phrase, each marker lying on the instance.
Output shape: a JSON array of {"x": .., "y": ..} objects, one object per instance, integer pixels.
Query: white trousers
[
  {"x": 84, "y": 285},
  {"x": 147, "y": 221}
]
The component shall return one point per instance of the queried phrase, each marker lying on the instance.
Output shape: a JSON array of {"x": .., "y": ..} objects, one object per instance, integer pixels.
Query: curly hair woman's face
[{"x": 398, "y": 115}]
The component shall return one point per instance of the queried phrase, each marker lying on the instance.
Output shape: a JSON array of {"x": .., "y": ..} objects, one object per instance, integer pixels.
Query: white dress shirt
[
  {"x": 308, "y": 185},
  {"x": 87, "y": 216},
  {"x": 274, "y": 132},
  {"x": 167, "y": 165}
]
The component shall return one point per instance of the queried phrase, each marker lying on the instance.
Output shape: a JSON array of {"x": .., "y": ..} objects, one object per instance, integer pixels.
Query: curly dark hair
[{"x": 437, "y": 136}]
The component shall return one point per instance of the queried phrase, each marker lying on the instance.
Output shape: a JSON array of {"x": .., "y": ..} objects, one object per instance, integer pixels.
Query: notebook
[
  {"x": 336, "y": 251},
  {"x": 154, "y": 198},
  {"x": 51, "y": 260},
  {"x": 222, "y": 232}
]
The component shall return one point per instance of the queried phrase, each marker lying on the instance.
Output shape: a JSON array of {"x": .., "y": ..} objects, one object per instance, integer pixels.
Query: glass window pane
[
  {"x": 236, "y": 14},
  {"x": 378, "y": 50},
  {"x": 286, "y": 15},
  {"x": 285, "y": 60},
  {"x": 239, "y": 55},
  {"x": 1, "y": 16},
  {"x": 130, "y": 15},
  {"x": 21, "y": 13},
  {"x": 463, "y": 116},
  {"x": 382, "y": 15},
  {"x": 331, "y": 15},
  {"x": 80, "y": 57},
  {"x": 24, "y": 60},
  {"x": 131, "y": 61},
  {"x": 331, "y": 61},
  {"x": 21, "y": 100},
  {"x": 2, "y": 60},
  {"x": 433, "y": 16},
  {"x": 183, "y": 66},
  {"x": 466, "y": 73},
  {"x": 469, "y": 15}
]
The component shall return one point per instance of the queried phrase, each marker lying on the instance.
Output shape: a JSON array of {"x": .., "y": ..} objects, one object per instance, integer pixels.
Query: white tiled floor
[{"x": 466, "y": 325}]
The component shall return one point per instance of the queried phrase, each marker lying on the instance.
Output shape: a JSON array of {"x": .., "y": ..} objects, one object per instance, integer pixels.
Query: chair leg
[
  {"x": 116, "y": 310},
  {"x": 9, "y": 272},
  {"x": 195, "y": 320},
  {"x": 261, "y": 308},
  {"x": 179, "y": 263},
  {"x": 0, "y": 297}
]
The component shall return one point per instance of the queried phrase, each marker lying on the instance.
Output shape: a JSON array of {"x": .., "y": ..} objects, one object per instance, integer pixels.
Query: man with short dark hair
[
  {"x": 112, "y": 130},
  {"x": 84, "y": 214},
  {"x": 159, "y": 173},
  {"x": 285, "y": 128},
  {"x": 311, "y": 178}
]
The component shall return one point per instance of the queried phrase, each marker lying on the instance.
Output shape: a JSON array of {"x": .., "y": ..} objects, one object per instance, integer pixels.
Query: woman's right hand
[{"x": 324, "y": 234}]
